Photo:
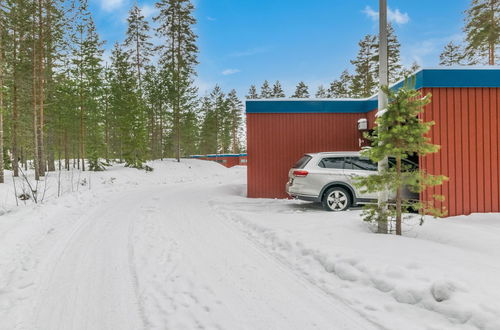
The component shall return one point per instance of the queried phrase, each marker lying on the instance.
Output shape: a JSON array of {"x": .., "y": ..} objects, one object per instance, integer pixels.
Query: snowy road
[{"x": 162, "y": 258}]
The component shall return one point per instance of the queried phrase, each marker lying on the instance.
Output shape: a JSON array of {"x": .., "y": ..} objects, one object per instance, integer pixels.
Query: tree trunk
[
  {"x": 34, "y": 101},
  {"x": 15, "y": 154},
  {"x": 41, "y": 94},
  {"x": 398, "y": 197}
]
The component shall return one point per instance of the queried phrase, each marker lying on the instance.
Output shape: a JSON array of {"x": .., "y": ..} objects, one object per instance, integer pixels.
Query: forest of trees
[{"x": 62, "y": 106}]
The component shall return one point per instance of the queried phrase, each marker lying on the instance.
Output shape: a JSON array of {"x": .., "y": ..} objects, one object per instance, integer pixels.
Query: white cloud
[
  {"x": 228, "y": 72},
  {"x": 249, "y": 52},
  {"x": 110, "y": 5},
  {"x": 149, "y": 11},
  {"x": 426, "y": 52},
  {"x": 211, "y": 18},
  {"x": 395, "y": 16}
]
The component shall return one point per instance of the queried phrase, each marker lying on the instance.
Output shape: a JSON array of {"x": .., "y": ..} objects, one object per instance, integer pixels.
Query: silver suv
[{"x": 328, "y": 178}]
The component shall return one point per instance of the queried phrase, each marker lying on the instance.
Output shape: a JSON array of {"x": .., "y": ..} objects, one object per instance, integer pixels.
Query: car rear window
[{"x": 302, "y": 162}]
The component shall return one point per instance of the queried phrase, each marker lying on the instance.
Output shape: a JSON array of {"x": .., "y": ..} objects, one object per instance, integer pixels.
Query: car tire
[{"x": 336, "y": 199}]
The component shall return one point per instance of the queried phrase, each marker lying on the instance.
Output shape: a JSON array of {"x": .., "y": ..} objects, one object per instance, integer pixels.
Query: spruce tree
[
  {"x": 252, "y": 93},
  {"x": 301, "y": 91},
  {"x": 277, "y": 90},
  {"x": 178, "y": 59},
  {"x": 400, "y": 133},
  {"x": 452, "y": 55},
  {"x": 266, "y": 91},
  {"x": 364, "y": 79},
  {"x": 321, "y": 93},
  {"x": 341, "y": 88},
  {"x": 482, "y": 29}
]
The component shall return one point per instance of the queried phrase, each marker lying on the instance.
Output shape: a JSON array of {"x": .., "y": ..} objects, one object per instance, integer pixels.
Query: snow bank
[{"x": 443, "y": 275}]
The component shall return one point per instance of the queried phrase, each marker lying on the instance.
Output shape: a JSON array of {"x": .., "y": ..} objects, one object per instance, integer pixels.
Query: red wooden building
[{"x": 465, "y": 107}]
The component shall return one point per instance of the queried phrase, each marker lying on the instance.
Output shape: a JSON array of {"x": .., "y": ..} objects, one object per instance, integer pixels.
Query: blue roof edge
[{"x": 454, "y": 77}]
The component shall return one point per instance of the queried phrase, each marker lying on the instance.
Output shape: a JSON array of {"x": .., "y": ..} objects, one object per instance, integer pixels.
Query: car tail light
[{"x": 300, "y": 173}]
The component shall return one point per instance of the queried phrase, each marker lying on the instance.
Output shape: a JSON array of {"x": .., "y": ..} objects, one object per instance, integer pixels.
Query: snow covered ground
[{"x": 182, "y": 248}]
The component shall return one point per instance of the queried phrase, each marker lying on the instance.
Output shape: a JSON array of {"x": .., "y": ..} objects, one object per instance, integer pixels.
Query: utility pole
[{"x": 382, "y": 99}]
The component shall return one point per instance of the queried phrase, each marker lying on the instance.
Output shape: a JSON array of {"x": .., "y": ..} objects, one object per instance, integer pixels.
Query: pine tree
[
  {"x": 266, "y": 91},
  {"x": 341, "y": 88},
  {"x": 252, "y": 93},
  {"x": 301, "y": 91},
  {"x": 400, "y": 133},
  {"x": 277, "y": 90},
  {"x": 138, "y": 41},
  {"x": 452, "y": 55},
  {"x": 364, "y": 80},
  {"x": 178, "y": 59},
  {"x": 482, "y": 29},
  {"x": 321, "y": 93},
  {"x": 395, "y": 69}
]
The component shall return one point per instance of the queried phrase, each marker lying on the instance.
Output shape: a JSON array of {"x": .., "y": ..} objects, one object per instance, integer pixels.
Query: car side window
[
  {"x": 332, "y": 162},
  {"x": 363, "y": 164}
]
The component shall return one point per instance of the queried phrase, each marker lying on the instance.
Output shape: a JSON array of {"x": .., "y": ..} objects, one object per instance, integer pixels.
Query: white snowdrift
[
  {"x": 442, "y": 275},
  {"x": 182, "y": 247}
]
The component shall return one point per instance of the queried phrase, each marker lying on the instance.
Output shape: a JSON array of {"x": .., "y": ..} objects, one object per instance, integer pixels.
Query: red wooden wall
[
  {"x": 467, "y": 128},
  {"x": 277, "y": 140}
]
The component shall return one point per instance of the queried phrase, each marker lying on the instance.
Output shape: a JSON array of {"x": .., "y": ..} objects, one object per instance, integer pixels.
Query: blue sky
[{"x": 244, "y": 42}]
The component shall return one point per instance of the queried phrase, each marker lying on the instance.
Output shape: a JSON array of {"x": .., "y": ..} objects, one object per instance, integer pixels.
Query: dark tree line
[{"x": 60, "y": 104}]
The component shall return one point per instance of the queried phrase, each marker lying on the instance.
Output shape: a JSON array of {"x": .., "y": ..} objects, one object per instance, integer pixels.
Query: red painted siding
[
  {"x": 276, "y": 141},
  {"x": 467, "y": 129}
]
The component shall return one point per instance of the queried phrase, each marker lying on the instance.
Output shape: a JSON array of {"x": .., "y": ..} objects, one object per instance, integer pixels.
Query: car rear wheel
[{"x": 336, "y": 199}]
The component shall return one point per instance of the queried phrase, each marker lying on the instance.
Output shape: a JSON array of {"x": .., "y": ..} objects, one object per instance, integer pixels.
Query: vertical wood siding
[
  {"x": 276, "y": 141},
  {"x": 467, "y": 128}
]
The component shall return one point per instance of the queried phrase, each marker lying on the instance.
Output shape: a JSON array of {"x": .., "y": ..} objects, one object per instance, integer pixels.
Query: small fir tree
[
  {"x": 401, "y": 133},
  {"x": 278, "y": 90},
  {"x": 266, "y": 91},
  {"x": 452, "y": 55},
  {"x": 301, "y": 91}
]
